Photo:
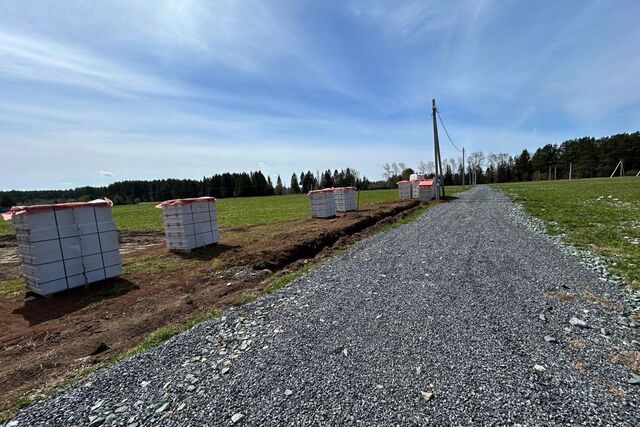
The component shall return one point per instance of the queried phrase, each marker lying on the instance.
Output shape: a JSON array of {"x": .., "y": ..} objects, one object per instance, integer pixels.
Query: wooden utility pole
[
  {"x": 555, "y": 172},
  {"x": 436, "y": 151},
  {"x": 463, "y": 172}
]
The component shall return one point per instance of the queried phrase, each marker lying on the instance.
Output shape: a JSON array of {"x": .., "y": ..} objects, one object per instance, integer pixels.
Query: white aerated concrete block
[
  {"x": 404, "y": 190},
  {"x": 346, "y": 199},
  {"x": 190, "y": 223},
  {"x": 322, "y": 203},
  {"x": 63, "y": 247}
]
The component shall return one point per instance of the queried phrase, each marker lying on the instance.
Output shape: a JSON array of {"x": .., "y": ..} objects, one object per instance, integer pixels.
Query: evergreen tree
[
  {"x": 279, "y": 188},
  {"x": 295, "y": 187}
]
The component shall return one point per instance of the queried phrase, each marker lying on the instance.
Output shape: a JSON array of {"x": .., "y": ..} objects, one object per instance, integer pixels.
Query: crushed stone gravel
[{"x": 444, "y": 320}]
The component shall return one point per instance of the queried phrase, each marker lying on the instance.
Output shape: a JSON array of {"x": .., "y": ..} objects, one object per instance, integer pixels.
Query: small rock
[
  {"x": 236, "y": 417},
  {"x": 549, "y": 338},
  {"x": 120, "y": 409},
  {"x": 27, "y": 299},
  {"x": 542, "y": 317},
  {"x": 574, "y": 321},
  {"x": 224, "y": 371},
  {"x": 288, "y": 392},
  {"x": 427, "y": 395},
  {"x": 143, "y": 384},
  {"x": 539, "y": 368},
  {"x": 97, "y": 405},
  {"x": 635, "y": 379},
  {"x": 162, "y": 408},
  {"x": 418, "y": 370},
  {"x": 344, "y": 352},
  {"x": 97, "y": 422}
]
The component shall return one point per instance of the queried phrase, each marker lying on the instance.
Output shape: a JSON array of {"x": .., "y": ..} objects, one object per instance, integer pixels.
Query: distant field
[
  {"x": 236, "y": 212},
  {"x": 597, "y": 214}
]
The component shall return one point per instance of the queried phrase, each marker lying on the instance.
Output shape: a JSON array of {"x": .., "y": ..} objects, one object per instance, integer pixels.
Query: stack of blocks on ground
[
  {"x": 190, "y": 223},
  {"x": 345, "y": 199},
  {"x": 421, "y": 189},
  {"x": 425, "y": 190},
  {"x": 404, "y": 189},
  {"x": 66, "y": 245},
  {"x": 323, "y": 203}
]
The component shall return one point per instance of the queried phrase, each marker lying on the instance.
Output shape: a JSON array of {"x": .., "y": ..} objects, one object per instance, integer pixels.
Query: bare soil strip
[{"x": 44, "y": 341}]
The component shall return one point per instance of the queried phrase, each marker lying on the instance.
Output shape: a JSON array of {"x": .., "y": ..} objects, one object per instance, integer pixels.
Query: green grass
[
  {"x": 235, "y": 212},
  {"x": 601, "y": 215},
  {"x": 12, "y": 286}
]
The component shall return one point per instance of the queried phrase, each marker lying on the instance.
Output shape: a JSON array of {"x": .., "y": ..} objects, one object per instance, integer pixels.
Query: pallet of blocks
[
  {"x": 404, "y": 189},
  {"x": 66, "y": 245},
  {"x": 425, "y": 190},
  {"x": 345, "y": 198},
  {"x": 415, "y": 189},
  {"x": 322, "y": 203},
  {"x": 190, "y": 223}
]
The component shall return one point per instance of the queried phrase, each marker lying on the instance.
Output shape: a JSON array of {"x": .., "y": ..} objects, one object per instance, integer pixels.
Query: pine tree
[
  {"x": 279, "y": 188},
  {"x": 295, "y": 187}
]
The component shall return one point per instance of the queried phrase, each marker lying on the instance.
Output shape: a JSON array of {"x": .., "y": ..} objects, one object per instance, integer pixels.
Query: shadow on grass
[{"x": 44, "y": 309}]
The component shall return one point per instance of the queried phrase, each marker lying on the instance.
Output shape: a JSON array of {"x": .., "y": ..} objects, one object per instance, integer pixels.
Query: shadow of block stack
[
  {"x": 345, "y": 198},
  {"x": 190, "y": 223},
  {"x": 322, "y": 203},
  {"x": 66, "y": 245}
]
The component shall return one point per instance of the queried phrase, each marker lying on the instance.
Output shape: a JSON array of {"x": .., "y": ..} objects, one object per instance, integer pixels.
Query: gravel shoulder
[{"x": 442, "y": 320}]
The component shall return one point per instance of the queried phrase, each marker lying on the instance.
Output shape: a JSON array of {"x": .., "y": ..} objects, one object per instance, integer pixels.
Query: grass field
[
  {"x": 602, "y": 215},
  {"x": 237, "y": 212}
]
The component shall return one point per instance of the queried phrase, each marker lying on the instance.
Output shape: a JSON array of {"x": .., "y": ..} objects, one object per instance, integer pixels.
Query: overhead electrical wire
[{"x": 445, "y": 131}]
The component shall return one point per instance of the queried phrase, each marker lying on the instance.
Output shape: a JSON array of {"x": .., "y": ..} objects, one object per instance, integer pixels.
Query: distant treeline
[
  {"x": 586, "y": 157},
  {"x": 219, "y": 185}
]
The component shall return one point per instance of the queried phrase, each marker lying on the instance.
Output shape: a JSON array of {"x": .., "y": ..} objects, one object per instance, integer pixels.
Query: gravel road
[{"x": 439, "y": 321}]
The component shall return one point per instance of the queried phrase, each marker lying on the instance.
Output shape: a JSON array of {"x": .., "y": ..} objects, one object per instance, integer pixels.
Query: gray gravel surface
[{"x": 464, "y": 316}]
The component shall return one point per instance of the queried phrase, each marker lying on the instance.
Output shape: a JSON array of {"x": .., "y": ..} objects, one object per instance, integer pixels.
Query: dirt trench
[{"x": 44, "y": 341}]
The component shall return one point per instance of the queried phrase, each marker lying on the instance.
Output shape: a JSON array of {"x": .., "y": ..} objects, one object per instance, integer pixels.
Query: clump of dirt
[
  {"x": 580, "y": 367},
  {"x": 561, "y": 296},
  {"x": 577, "y": 343},
  {"x": 603, "y": 302},
  {"x": 45, "y": 340},
  {"x": 631, "y": 359}
]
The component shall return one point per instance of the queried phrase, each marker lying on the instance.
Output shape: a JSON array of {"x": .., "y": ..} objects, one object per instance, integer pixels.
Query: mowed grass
[
  {"x": 235, "y": 212},
  {"x": 601, "y": 215}
]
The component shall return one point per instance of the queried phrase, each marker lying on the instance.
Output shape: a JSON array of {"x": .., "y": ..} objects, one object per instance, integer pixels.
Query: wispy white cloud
[
  {"x": 27, "y": 58},
  {"x": 185, "y": 88}
]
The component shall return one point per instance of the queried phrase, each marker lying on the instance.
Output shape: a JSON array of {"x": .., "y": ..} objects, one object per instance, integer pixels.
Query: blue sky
[{"x": 93, "y": 92}]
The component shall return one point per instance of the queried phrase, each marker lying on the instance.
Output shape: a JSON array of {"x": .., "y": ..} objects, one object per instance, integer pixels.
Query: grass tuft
[{"x": 10, "y": 287}]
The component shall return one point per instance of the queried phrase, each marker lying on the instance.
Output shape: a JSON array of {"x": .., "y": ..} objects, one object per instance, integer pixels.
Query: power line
[{"x": 445, "y": 131}]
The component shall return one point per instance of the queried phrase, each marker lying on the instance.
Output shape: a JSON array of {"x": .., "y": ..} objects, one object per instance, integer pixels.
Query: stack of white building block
[
  {"x": 190, "y": 223},
  {"x": 66, "y": 245},
  {"x": 345, "y": 198},
  {"x": 425, "y": 190},
  {"x": 322, "y": 203},
  {"x": 404, "y": 189}
]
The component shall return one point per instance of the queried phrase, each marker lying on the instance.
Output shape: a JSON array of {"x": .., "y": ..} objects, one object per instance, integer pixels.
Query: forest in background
[{"x": 589, "y": 158}]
